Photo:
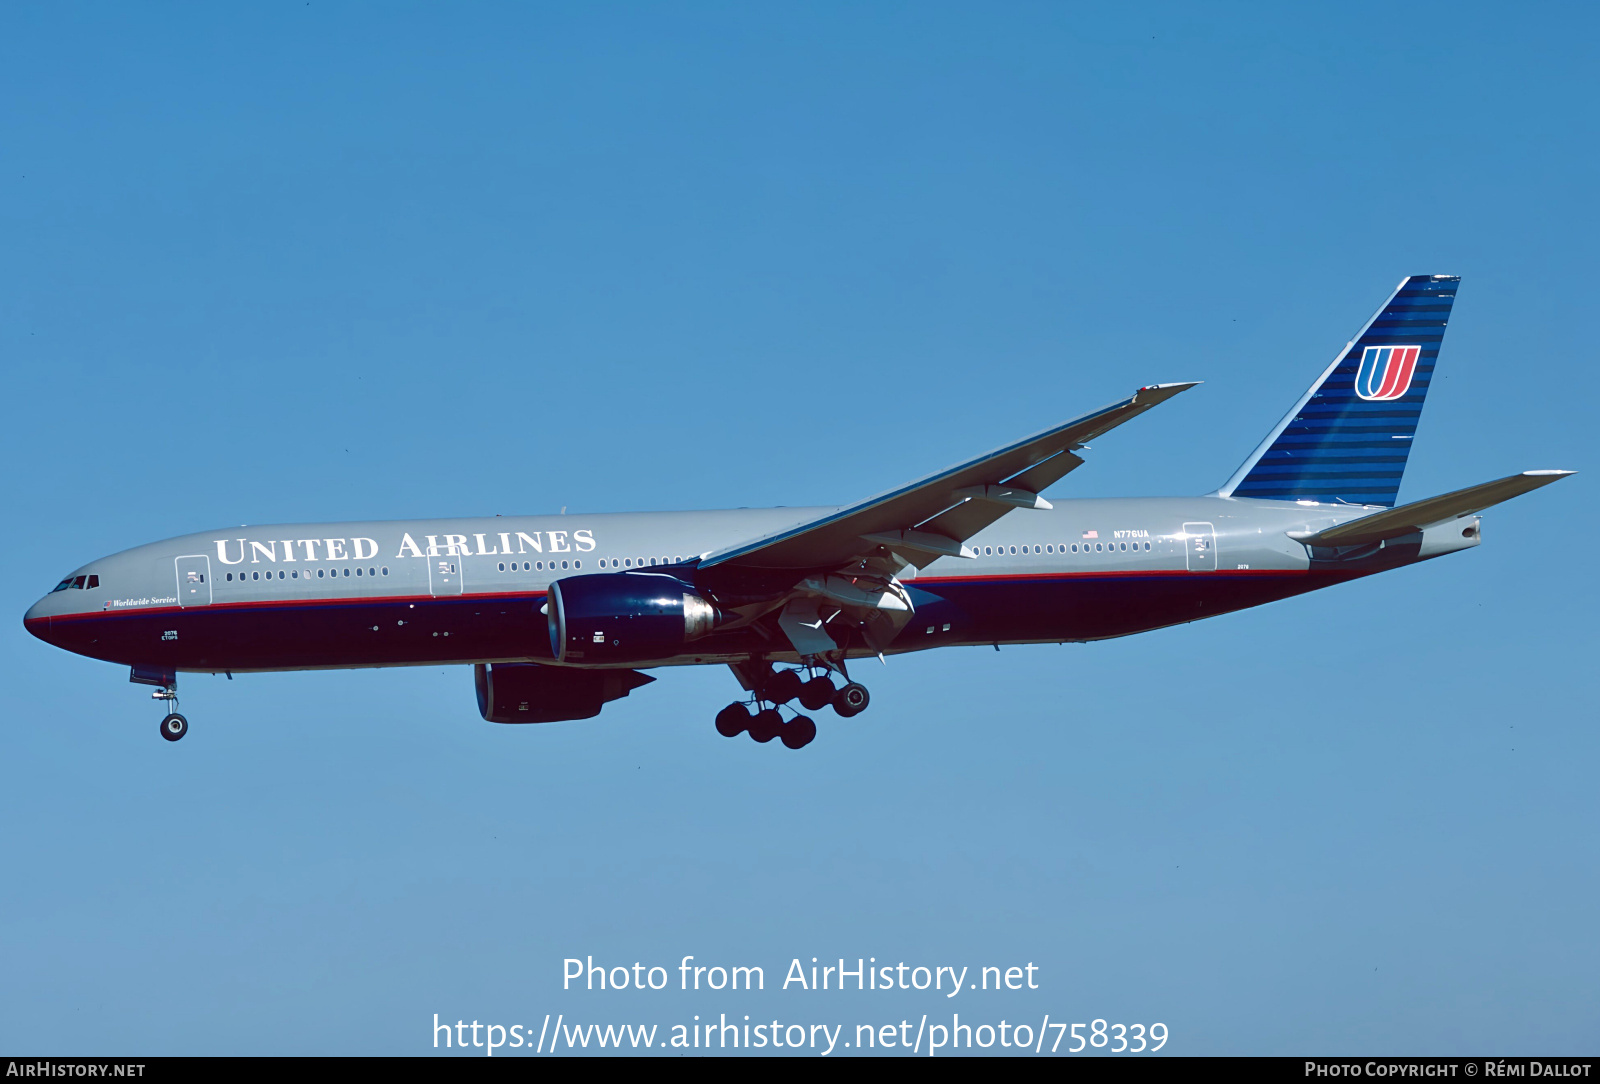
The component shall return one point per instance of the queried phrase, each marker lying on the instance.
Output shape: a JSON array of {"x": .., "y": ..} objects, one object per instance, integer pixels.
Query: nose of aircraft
[{"x": 36, "y": 621}]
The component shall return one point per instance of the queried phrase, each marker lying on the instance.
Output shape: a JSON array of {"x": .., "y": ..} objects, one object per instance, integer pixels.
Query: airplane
[{"x": 560, "y": 615}]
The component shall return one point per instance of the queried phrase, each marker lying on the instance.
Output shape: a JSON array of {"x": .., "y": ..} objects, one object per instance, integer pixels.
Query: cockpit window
[
  {"x": 62, "y": 586},
  {"x": 79, "y": 582},
  {"x": 94, "y": 581},
  {"x": 76, "y": 582}
]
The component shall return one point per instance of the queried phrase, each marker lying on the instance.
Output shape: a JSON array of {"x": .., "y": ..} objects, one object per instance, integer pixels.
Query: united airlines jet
[{"x": 558, "y": 615}]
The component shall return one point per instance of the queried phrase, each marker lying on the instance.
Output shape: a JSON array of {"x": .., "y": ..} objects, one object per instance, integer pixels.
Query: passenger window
[
  {"x": 1097, "y": 547},
  {"x": 347, "y": 572},
  {"x": 577, "y": 564},
  {"x": 319, "y": 573},
  {"x": 294, "y": 575},
  {"x": 230, "y": 577},
  {"x": 502, "y": 566},
  {"x": 385, "y": 570},
  {"x": 563, "y": 564}
]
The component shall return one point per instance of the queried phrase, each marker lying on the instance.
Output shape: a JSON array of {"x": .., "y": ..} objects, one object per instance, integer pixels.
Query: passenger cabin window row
[
  {"x": 77, "y": 583},
  {"x": 612, "y": 562},
  {"x": 1099, "y": 547},
  {"x": 640, "y": 562},
  {"x": 322, "y": 573}
]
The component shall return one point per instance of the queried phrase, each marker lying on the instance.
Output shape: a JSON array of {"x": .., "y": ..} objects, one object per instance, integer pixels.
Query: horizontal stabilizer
[{"x": 1410, "y": 518}]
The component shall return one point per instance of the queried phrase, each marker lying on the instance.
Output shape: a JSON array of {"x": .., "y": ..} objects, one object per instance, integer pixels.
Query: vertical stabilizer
[{"x": 1347, "y": 439}]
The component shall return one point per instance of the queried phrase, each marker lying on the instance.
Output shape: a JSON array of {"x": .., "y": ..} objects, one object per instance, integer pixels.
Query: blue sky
[{"x": 294, "y": 262}]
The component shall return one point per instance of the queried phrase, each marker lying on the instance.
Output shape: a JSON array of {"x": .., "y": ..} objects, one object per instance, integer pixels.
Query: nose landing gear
[{"x": 174, "y": 727}]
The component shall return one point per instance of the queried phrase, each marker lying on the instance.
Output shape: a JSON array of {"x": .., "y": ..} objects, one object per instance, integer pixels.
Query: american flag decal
[{"x": 1091, "y": 534}]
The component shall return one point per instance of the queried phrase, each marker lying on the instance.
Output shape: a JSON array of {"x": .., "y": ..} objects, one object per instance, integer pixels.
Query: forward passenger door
[{"x": 194, "y": 580}]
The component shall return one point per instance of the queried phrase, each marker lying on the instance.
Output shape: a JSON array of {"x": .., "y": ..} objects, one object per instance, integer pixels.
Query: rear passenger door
[{"x": 1200, "y": 547}]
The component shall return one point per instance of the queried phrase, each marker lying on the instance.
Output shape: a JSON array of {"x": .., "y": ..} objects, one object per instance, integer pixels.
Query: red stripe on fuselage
[
  {"x": 279, "y": 603},
  {"x": 1109, "y": 574},
  {"x": 372, "y": 600},
  {"x": 306, "y": 603}
]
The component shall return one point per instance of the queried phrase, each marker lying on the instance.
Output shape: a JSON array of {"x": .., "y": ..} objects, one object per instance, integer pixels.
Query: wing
[{"x": 931, "y": 518}]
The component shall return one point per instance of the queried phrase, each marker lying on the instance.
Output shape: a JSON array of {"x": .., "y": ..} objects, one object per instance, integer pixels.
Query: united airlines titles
[{"x": 237, "y": 551}]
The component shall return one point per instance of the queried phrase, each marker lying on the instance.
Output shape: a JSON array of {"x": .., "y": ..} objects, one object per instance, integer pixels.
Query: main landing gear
[{"x": 775, "y": 689}]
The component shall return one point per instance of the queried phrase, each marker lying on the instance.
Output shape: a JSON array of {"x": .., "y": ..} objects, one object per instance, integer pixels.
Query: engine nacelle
[
  {"x": 522, "y": 693},
  {"x": 622, "y": 617}
]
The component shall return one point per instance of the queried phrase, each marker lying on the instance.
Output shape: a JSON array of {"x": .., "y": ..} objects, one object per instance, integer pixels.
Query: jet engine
[
  {"x": 520, "y": 693},
  {"x": 625, "y": 617}
]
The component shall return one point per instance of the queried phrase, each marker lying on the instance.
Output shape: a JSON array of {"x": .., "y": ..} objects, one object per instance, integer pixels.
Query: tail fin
[{"x": 1347, "y": 439}]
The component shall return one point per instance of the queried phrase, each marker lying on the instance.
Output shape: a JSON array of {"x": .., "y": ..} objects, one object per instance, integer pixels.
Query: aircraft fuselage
[{"x": 469, "y": 590}]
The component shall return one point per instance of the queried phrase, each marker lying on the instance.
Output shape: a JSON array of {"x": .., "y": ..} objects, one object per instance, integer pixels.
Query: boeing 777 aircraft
[{"x": 558, "y": 615}]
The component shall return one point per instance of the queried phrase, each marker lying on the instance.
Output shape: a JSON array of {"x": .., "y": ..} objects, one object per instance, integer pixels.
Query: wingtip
[
  {"x": 1552, "y": 474},
  {"x": 1159, "y": 392}
]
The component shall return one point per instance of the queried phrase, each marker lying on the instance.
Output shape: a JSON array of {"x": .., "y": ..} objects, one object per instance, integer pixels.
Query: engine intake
[
  {"x": 522, "y": 693},
  {"x": 623, "y": 617}
]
